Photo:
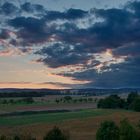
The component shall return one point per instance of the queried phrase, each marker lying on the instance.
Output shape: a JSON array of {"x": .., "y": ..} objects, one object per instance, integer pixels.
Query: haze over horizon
[{"x": 69, "y": 44}]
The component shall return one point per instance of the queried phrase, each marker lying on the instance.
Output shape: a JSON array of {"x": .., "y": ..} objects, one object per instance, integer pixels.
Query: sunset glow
[{"x": 69, "y": 44}]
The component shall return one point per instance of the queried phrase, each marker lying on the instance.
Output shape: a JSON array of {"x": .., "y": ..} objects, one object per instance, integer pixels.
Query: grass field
[
  {"x": 40, "y": 106},
  {"x": 13, "y": 107},
  {"x": 82, "y": 125},
  {"x": 51, "y": 117}
]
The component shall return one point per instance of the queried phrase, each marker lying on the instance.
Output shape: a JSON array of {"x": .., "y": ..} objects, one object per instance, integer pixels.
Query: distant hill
[{"x": 14, "y": 92}]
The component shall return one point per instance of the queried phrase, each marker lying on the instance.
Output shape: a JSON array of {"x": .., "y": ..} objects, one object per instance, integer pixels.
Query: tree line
[
  {"x": 69, "y": 99},
  {"x": 115, "y": 102},
  {"x": 28, "y": 100}
]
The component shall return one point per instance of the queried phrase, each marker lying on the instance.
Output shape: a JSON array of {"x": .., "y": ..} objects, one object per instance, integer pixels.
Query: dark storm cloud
[
  {"x": 117, "y": 29},
  {"x": 29, "y": 23},
  {"x": 28, "y": 7},
  {"x": 59, "y": 54},
  {"x": 121, "y": 75},
  {"x": 31, "y": 30},
  {"x": 70, "y": 14},
  {"x": 113, "y": 30},
  {"x": 135, "y": 6},
  {"x": 8, "y": 8},
  {"x": 4, "y": 34},
  {"x": 132, "y": 49},
  {"x": 35, "y": 30}
]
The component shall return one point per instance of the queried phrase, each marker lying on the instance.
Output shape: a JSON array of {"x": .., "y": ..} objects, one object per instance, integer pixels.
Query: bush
[
  {"x": 55, "y": 134},
  {"x": 108, "y": 131},
  {"x": 127, "y": 131}
]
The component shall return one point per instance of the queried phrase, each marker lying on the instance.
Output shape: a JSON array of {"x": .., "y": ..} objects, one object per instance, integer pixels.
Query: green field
[
  {"x": 13, "y": 107},
  {"x": 51, "y": 117}
]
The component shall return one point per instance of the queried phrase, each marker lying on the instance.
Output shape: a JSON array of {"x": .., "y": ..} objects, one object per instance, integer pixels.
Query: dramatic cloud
[
  {"x": 30, "y": 8},
  {"x": 70, "y": 14},
  {"x": 4, "y": 34},
  {"x": 60, "y": 54},
  {"x": 8, "y": 9},
  {"x": 102, "y": 45}
]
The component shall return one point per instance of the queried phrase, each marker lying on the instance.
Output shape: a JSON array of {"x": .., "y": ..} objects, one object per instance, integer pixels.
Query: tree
[
  {"x": 135, "y": 105},
  {"x": 101, "y": 103},
  {"x": 28, "y": 100},
  {"x": 67, "y": 98},
  {"x": 131, "y": 97},
  {"x": 107, "y": 131},
  {"x": 113, "y": 101},
  {"x": 11, "y": 101},
  {"x": 55, "y": 134},
  {"x": 127, "y": 131},
  {"x": 57, "y": 101},
  {"x": 81, "y": 100}
]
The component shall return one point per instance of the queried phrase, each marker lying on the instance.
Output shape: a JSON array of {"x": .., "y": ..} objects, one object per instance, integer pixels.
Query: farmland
[
  {"x": 46, "y": 103},
  {"x": 81, "y": 125},
  {"x": 76, "y": 115},
  {"x": 51, "y": 117}
]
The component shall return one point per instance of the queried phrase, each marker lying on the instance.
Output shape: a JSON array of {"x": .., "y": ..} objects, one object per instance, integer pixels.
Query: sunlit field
[{"x": 82, "y": 125}]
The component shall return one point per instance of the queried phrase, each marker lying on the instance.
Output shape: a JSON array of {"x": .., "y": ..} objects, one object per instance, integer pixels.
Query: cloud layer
[{"x": 99, "y": 45}]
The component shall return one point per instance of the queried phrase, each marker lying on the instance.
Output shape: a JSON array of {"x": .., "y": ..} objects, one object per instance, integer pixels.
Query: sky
[{"x": 62, "y": 44}]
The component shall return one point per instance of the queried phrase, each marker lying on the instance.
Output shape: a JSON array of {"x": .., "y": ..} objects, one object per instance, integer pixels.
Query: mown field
[{"x": 81, "y": 125}]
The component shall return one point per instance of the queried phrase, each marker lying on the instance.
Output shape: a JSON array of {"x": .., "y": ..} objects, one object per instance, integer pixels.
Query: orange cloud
[
  {"x": 29, "y": 85},
  {"x": 13, "y": 52},
  {"x": 6, "y": 53}
]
